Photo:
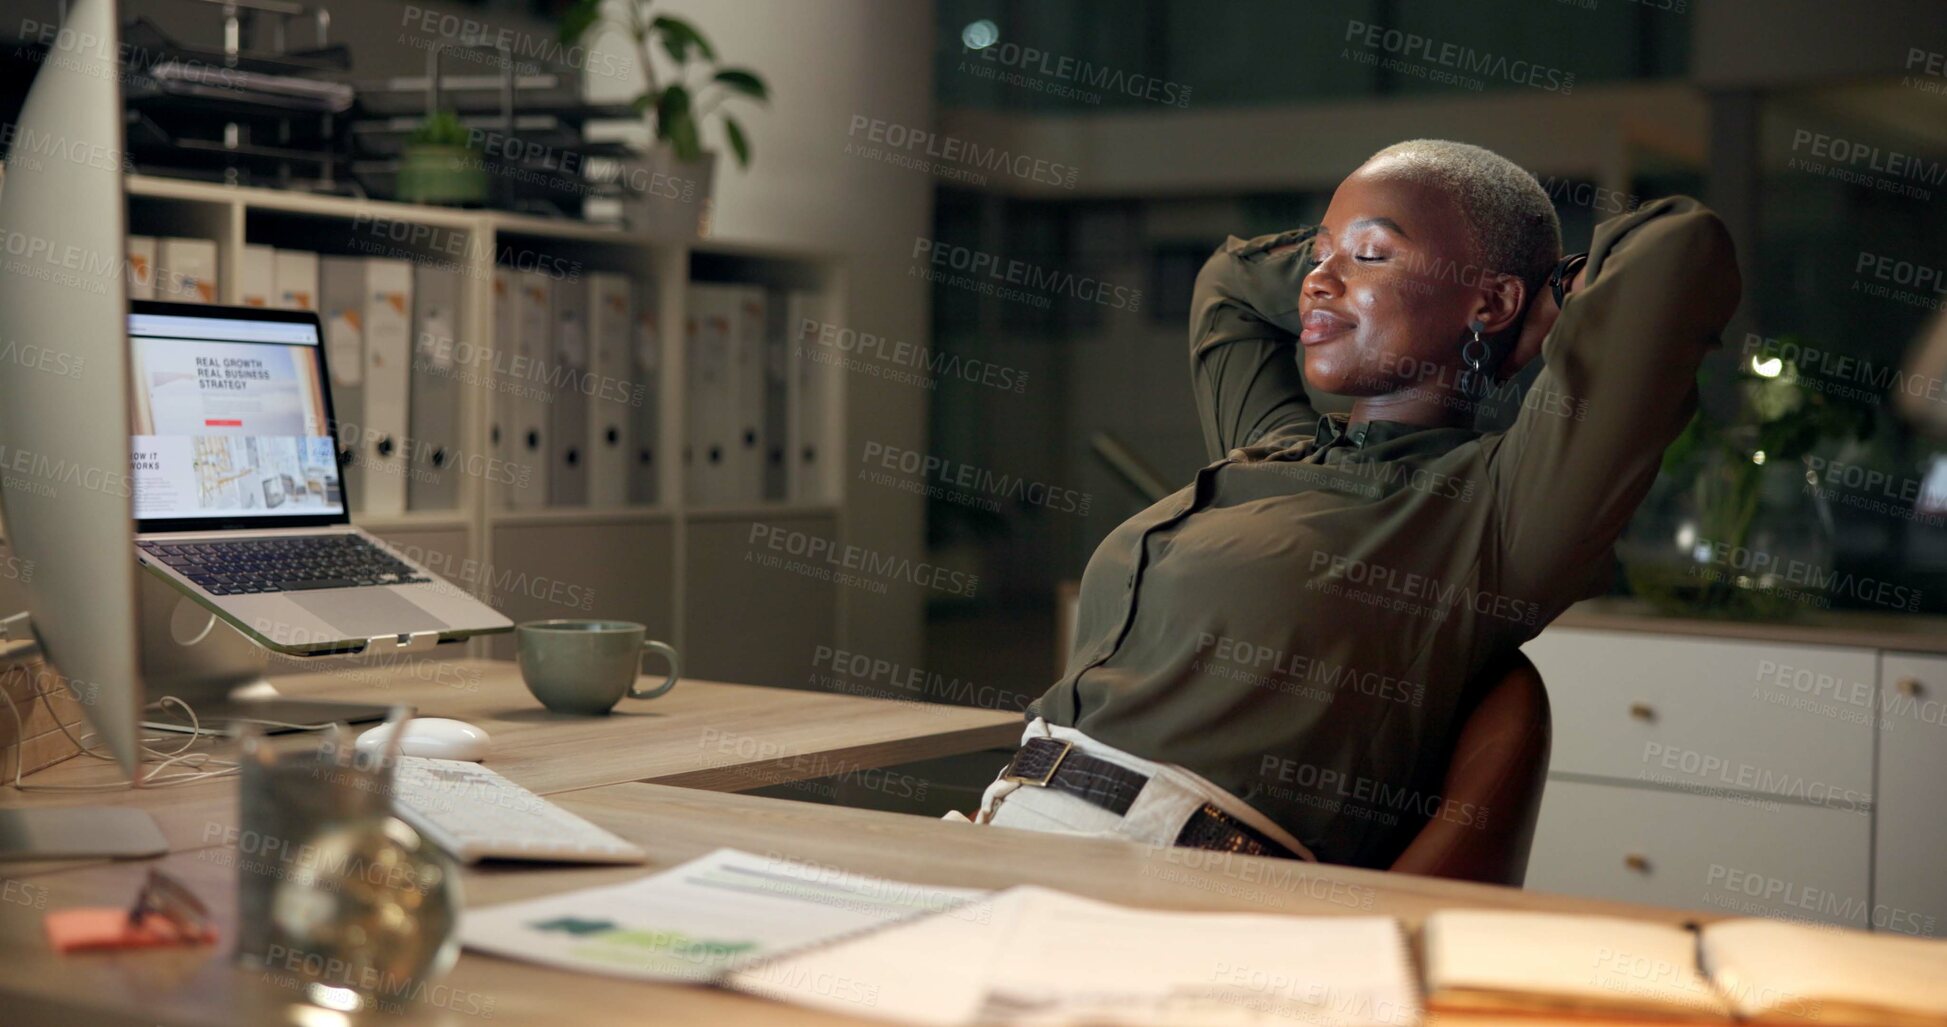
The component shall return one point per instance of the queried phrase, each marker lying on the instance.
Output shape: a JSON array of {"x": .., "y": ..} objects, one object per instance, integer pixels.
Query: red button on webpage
[{"x": 222, "y": 423}]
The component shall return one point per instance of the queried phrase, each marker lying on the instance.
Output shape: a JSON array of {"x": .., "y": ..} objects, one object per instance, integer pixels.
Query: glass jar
[{"x": 1732, "y": 534}]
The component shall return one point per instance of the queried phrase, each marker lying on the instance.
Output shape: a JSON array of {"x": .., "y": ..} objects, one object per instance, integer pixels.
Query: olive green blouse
[{"x": 1300, "y": 623}]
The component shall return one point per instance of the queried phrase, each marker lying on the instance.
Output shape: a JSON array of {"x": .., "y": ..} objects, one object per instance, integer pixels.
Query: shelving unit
[{"x": 677, "y": 568}]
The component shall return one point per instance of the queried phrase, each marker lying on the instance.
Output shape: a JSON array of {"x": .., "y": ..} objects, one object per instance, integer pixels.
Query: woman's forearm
[
  {"x": 1257, "y": 281},
  {"x": 1243, "y": 340},
  {"x": 1618, "y": 385}
]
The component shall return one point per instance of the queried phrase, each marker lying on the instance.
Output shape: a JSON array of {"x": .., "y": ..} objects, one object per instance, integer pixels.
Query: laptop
[{"x": 240, "y": 494}]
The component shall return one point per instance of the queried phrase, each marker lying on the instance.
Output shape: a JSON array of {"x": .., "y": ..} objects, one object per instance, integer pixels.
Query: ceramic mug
[{"x": 587, "y": 666}]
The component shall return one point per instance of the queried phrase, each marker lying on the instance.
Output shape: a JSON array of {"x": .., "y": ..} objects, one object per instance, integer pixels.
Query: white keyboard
[{"x": 475, "y": 814}]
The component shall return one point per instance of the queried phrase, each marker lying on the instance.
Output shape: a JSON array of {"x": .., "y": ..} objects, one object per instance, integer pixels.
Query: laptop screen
[{"x": 231, "y": 420}]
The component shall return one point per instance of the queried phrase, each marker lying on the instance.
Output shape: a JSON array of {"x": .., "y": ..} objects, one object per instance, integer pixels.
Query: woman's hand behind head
[{"x": 1540, "y": 320}]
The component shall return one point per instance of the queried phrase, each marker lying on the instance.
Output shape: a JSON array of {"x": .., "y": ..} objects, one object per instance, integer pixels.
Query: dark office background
[
  {"x": 1749, "y": 76},
  {"x": 1267, "y": 105}
]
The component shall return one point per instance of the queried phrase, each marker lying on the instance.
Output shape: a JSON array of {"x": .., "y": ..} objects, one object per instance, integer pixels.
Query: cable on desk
[{"x": 154, "y": 778}]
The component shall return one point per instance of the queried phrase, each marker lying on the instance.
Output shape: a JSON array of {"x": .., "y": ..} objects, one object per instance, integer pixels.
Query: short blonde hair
[{"x": 1515, "y": 229}]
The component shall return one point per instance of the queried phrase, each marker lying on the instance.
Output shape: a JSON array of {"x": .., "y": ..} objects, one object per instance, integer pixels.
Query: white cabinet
[
  {"x": 1746, "y": 855},
  {"x": 1910, "y": 822},
  {"x": 1710, "y": 715},
  {"x": 1747, "y": 776}
]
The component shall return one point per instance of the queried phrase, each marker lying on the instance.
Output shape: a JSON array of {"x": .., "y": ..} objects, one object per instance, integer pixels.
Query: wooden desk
[
  {"x": 674, "y": 825},
  {"x": 704, "y": 734}
]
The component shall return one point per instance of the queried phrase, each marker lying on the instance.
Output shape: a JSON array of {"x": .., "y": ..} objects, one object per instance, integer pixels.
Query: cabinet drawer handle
[
  {"x": 1638, "y": 862},
  {"x": 1910, "y": 687},
  {"x": 1642, "y": 711}
]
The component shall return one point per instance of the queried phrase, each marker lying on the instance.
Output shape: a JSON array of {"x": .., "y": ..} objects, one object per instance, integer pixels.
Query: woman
[{"x": 1273, "y": 659}]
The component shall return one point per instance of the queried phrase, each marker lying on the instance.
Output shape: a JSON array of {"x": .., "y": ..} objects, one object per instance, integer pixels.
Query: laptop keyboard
[{"x": 234, "y": 567}]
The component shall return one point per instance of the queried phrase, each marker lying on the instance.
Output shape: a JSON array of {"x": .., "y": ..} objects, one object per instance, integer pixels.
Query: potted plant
[
  {"x": 439, "y": 166},
  {"x": 1736, "y": 525},
  {"x": 669, "y": 190}
]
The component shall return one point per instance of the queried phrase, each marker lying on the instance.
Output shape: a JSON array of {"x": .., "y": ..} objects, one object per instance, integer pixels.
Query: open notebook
[
  {"x": 1763, "y": 970},
  {"x": 1038, "y": 957}
]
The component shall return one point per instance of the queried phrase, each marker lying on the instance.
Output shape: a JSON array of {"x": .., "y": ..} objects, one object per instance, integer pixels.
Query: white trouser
[{"x": 1157, "y": 815}]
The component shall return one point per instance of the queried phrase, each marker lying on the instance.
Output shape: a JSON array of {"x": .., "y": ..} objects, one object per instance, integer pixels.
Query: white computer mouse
[{"x": 435, "y": 737}]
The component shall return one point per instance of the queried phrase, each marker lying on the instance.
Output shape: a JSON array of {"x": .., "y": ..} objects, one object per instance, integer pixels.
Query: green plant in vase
[
  {"x": 697, "y": 87},
  {"x": 440, "y": 164},
  {"x": 1735, "y": 525}
]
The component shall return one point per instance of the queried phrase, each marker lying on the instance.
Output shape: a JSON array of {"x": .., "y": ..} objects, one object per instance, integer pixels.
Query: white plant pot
[{"x": 667, "y": 198}]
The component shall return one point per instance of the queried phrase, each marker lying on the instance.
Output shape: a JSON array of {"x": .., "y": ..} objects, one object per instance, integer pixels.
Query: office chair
[{"x": 1499, "y": 764}]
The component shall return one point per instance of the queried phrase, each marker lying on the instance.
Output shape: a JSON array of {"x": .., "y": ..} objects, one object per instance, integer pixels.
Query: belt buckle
[{"x": 1040, "y": 781}]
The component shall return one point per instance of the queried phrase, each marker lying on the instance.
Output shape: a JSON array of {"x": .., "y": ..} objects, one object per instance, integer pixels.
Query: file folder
[
  {"x": 811, "y": 402},
  {"x": 257, "y": 277},
  {"x": 388, "y": 361},
  {"x": 503, "y": 419},
  {"x": 746, "y": 425},
  {"x": 141, "y": 267},
  {"x": 527, "y": 380},
  {"x": 341, "y": 306},
  {"x": 775, "y": 436},
  {"x": 568, "y": 382},
  {"x": 294, "y": 276},
  {"x": 711, "y": 332},
  {"x": 645, "y": 463},
  {"x": 367, "y": 312},
  {"x": 186, "y": 270},
  {"x": 434, "y": 402},
  {"x": 694, "y": 442},
  {"x": 610, "y": 436}
]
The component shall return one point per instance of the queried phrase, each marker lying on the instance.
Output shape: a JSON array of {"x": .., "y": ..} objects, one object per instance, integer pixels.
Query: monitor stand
[
  {"x": 193, "y": 655},
  {"x": 79, "y": 832},
  {"x": 67, "y": 832},
  {"x": 196, "y": 656}
]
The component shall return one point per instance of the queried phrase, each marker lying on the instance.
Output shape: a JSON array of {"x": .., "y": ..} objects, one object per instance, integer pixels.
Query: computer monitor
[{"x": 66, "y": 500}]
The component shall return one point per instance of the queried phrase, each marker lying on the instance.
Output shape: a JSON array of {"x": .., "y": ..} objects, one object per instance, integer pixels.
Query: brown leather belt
[{"x": 1056, "y": 764}]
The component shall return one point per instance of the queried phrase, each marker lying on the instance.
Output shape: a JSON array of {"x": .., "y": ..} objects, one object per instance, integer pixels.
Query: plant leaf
[
  {"x": 682, "y": 135},
  {"x": 580, "y": 16},
  {"x": 672, "y": 105},
  {"x": 676, "y": 122},
  {"x": 677, "y": 47},
  {"x": 647, "y": 101},
  {"x": 738, "y": 144},
  {"x": 442, "y": 128},
  {"x": 740, "y": 80},
  {"x": 678, "y": 36}
]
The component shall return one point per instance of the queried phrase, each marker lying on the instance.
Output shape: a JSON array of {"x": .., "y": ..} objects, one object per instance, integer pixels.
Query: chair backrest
[{"x": 1493, "y": 785}]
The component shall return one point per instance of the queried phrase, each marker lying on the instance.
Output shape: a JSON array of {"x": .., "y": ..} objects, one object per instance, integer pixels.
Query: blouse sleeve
[
  {"x": 1243, "y": 340},
  {"x": 1617, "y": 387}
]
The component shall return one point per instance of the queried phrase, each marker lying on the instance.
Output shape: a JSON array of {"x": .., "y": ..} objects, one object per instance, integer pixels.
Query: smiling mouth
[{"x": 1321, "y": 325}]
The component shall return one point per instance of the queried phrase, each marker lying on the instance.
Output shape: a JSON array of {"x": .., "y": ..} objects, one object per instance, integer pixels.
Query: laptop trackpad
[{"x": 367, "y": 612}]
